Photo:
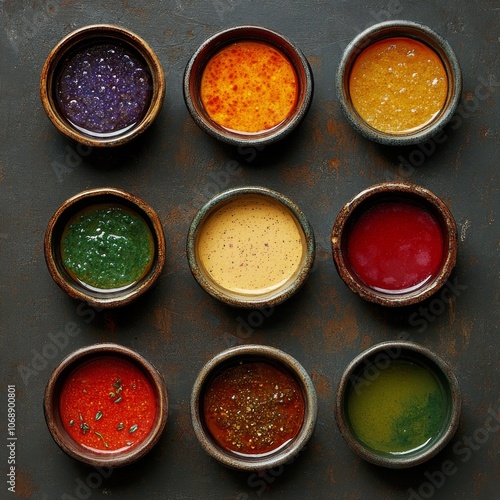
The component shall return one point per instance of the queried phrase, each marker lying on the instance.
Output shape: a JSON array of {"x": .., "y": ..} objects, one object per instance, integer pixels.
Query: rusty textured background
[{"x": 175, "y": 168}]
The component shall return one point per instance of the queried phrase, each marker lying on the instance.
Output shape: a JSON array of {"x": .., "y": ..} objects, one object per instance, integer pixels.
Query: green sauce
[
  {"x": 400, "y": 410},
  {"x": 107, "y": 247}
]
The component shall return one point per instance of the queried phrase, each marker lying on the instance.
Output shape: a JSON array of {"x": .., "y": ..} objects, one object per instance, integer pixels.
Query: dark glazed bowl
[
  {"x": 196, "y": 65},
  {"x": 230, "y": 297},
  {"x": 256, "y": 353},
  {"x": 84, "y": 36},
  {"x": 378, "y": 358},
  {"x": 76, "y": 289},
  {"x": 394, "y": 191},
  {"x": 419, "y": 32},
  {"x": 53, "y": 416}
]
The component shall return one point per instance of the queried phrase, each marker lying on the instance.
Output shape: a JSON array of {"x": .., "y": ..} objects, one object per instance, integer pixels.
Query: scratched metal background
[{"x": 175, "y": 167}]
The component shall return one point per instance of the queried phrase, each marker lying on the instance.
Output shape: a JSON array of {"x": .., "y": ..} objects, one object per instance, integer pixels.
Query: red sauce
[
  {"x": 253, "y": 408},
  {"x": 108, "y": 404},
  {"x": 395, "y": 246}
]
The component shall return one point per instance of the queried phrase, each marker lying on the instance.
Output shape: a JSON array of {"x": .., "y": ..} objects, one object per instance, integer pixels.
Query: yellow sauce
[
  {"x": 252, "y": 245},
  {"x": 398, "y": 85}
]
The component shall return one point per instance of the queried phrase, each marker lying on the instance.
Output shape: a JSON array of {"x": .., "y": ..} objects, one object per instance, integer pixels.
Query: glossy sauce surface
[
  {"x": 398, "y": 85},
  {"x": 251, "y": 245},
  {"x": 107, "y": 247},
  {"x": 253, "y": 408},
  {"x": 401, "y": 409},
  {"x": 108, "y": 404},
  {"x": 395, "y": 246},
  {"x": 249, "y": 86}
]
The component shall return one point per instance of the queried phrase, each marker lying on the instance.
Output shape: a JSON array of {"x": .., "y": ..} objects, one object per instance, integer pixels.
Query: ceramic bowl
[
  {"x": 231, "y": 287},
  {"x": 253, "y": 353},
  {"x": 86, "y": 37},
  {"x": 361, "y": 376},
  {"x": 197, "y": 63},
  {"x": 103, "y": 298},
  {"x": 428, "y": 37},
  {"x": 52, "y": 408},
  {"x": 397, "y": 192}
]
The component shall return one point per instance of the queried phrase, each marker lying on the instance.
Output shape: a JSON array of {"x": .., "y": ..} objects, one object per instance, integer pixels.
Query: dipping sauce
[
  {"x": 398, "y": 85},
  {"x": 107, "y": 247},
  {"x": 395, "y": 246},
  {"x": 401, "y": 410},
  {"x": 252, "y": 245},
  {"x": 108, "y": 404},
  {"x": 253, "y": 408},
  {"x": 249, "y": 86},
  {"x": 104, "y": 89}
]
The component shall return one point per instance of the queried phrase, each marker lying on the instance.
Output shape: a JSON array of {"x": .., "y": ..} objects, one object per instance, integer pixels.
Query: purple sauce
[{"x": 104, "y": 89}]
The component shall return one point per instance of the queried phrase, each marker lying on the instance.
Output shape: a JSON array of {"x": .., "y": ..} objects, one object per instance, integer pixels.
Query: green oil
[
  {"x": 397, "y": 409},
  {"x": 107, "y": 247}
]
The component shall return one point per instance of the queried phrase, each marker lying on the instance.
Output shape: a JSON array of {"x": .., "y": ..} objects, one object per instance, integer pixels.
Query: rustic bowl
[
  {"x": 231, "y": 297},
  {"x": 53, "y": 416},
  {"x": 197, "y": 63},
  {"x": 384, "y": 192},
  {"x": 261, "y": 353},
  {"x": 378, "y": 358},
  {"x": 420, "y": 33},
  {"x": 76, "y": 289},
  {"x": 84, "y": 36}
]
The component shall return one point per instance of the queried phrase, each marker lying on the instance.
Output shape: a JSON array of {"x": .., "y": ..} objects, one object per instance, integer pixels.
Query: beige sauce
[{"x": 251, "y": 246}]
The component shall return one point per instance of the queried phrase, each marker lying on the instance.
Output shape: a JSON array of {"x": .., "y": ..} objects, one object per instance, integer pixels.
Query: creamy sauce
[
  {"x": 398, "y": 85},
  {"x": 251, "y": 245}
]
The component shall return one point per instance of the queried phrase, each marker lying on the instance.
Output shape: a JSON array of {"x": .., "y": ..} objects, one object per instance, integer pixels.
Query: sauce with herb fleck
[
  {"x": 401, "y": 410},
  {"x": 253, "y": 408},
  {"x": 398, "y": 85},
  {"x": 108, "y": 404},
  {"x": 107, "y": 247},
  {"x": 251, "y": 245},
  {"x": 249, "y": 86},
  {"x": 395, "y": 247}
]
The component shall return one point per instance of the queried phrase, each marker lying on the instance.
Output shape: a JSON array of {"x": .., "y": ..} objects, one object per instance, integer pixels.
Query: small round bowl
[
  {"x": 101, "y": 297},
  {"x": 420, "y": 33},
  {"x": 86, "y": 37},
  {"x": 193, "y": 76},
  {"x": 235, "y": 283},
  {"x": 235, "y": 357},
  {"x": 415, "y": 198},
  {"x": 370, "y": 371},
  {"x": 52, "y": 409}
]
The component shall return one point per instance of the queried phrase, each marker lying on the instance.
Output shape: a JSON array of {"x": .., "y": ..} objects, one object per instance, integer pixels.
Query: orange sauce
[
  {"x": 249, "y": 86},
  {"x": 398, "y": 85}
]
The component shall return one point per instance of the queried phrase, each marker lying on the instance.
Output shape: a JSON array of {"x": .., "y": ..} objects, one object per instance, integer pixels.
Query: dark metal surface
[{"x": 175, "y": 168}]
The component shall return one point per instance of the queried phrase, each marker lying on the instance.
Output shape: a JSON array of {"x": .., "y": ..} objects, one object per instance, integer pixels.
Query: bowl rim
[
  {"x": 266, "y": 300},
  {"x": 409, "y": 29},
  {"x": 80, "y": 201},
  {"x": 379, "y": 191},
  {"x": 197, "y": 62},
  {"x": 51, "y": 407},
  {"x": 262, "y": 352},
  {"x": 436, "y": 361},
  {"x": 101, "y": 31}
]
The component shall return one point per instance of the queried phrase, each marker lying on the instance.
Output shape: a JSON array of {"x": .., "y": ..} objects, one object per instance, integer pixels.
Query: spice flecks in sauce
[
  {"x": 395, "y": 246},
  {"x": 253, "y": 408},
  {"x": 104, "y": 89},
  {"x": 398, "y": 85},
  {"x": 251, "y": 245},
  {"x": 249, "y": 86},
  {"x": 107, "y": 247},
  {"x": 108, "y": 404},
  {"x": 401, "y": 410}
]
